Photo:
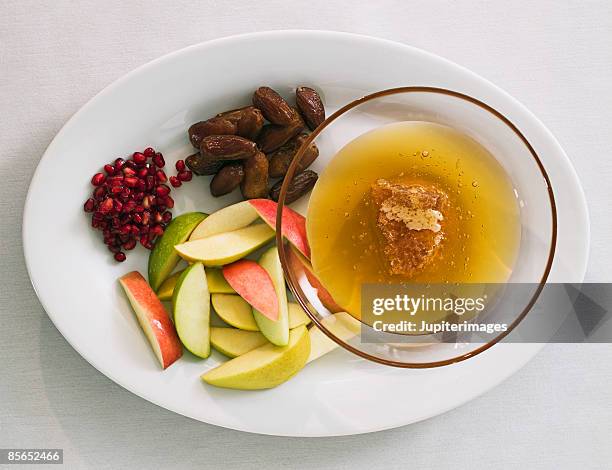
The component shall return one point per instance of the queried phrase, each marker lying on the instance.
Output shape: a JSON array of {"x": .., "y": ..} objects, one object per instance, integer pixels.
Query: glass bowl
[{"x": 536, "y": 208}]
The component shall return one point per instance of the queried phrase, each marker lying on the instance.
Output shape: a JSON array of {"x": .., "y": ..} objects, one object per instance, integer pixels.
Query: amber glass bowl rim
[{"x": 297, "y": 290}]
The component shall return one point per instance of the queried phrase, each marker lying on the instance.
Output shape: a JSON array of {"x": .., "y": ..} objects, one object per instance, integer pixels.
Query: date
[
  {"x": 227, "y": 179},
  {"x": 255, "y": 181},
  {"x": 310, "y": 105},
  {"x": 281, "y": 158},
  {"x": 274, "y": 108},
  {"x": 227, "y": 147},
  {"x": 300, "y": 184}
]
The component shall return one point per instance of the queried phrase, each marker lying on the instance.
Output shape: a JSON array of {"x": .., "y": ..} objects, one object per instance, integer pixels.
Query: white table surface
[{"x": 554, "y": 56}]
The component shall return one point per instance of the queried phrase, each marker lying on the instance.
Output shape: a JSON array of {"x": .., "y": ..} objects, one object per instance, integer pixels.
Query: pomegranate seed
[
  {"x": 119, "y": 163},
  {"x": 169, "y": 202},
  {"x": 137, "y": 195},
  {"x": 151, "y": 170},
  {"x": 114, "y": 248},
  {"x": 99, "y": 193},
  {"x": 117, "y": 205},
  {"x": 144, "y": 239},
  {"x": 180, "y": 165},
  {"x": 149, "y": 152},
  {"x": 166, "y": 217},
  {"x": 145, "y": 218},
  {"x": 162, "y": 190},
  {"x": 157, "y": 217},
  {"x": 116, "y": 189},
  {"x": 129, "y": 206},
  {"x": 131, "y": 182},
  {"x": 159, "y": 161},
  {"x": 127, "y": 171},
  {"x": 106, "y": 206},
  {"x": 129, "y": 245},
  {"x": 146, "y": 202},
  {"x": 135, "y": 230},
  {"x": 109, "y": 169},
  {"x": 185, "y": 175},
  {"x": 150, "y": 180},
  {"x": 131, "y": 164},
  {"x": 157, "y": 230},
  {"x": 139, "y": 208},
  {"x": 120, "y": 257},
  {"x": 137, "y": 218},
  {"x": 175, "y": 182},
  {"x": 98, "y": 179},
  {"x": 125, "y": 229},
  {"x": 89, "y": 205},
  {"x": 161, "y": 176},
  {"x": 142, "y": 173},
  {"x": 139, "y": 158},
  {"x": 115, "y": 181},
  {"x": 141, "y": 186},
  {"x": 125, "y": 193}
]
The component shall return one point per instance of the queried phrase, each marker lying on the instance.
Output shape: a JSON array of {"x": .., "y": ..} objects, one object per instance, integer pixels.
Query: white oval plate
[{"x": 75, "y": 276}]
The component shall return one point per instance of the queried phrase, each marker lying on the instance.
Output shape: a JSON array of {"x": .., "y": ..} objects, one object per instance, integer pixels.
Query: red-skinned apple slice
[
  {"x": 298, "y": 264},
  {"x": 153, "y": 318},
  {"x": 293, "y": 226},
  {"x": 253, "y": 284}
]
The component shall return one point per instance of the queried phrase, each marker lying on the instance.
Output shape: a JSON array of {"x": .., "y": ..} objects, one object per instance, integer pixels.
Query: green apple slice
[
  {"x": 227, "y": 247},
  {"x": 191, "y": 307},
  {"x": 341, "y": 324},
  {"x": 235, "y": 311},
  {"x": 163, "y": 258},
  {"x": 263, "y": 367},
  {"x": 214, "y": 278},
  {"x": 233, "y": 342},
  {"x": 228, "y": 219},
  {"x": 217, "y": 283},
  {"x": 277, "y": 331},
  {"x": 297, "y": 316},
  {"x": 166, "y": 289}
]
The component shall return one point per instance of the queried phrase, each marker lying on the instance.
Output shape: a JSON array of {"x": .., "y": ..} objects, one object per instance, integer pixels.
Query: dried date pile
[{"x": 250, "y": 146}]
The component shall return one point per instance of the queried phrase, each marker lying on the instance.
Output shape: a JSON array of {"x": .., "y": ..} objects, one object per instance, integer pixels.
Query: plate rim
[{"x": 571, "y": 171}]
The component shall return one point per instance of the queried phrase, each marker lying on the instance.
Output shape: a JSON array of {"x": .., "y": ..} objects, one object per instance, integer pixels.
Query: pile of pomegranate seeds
[{"x": 131, "y": 203}]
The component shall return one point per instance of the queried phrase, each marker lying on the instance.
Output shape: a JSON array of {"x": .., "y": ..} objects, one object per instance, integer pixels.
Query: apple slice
[
  {"x": 226, "y": 247},
  {"x": 298, "y": 264},
  {"x": 217, "y": 283},
  {"x": 297, "y": 316},
  {"x": 264, "y": 367},
  {"x": 233, "y": 342},
  {"x": 191, "y": 308},
  {"x": 153, "y": 318},
  {"x": 167, "y": 287},
  {"x": 214, "y": 278},
  {"x": 341, "y": 324},
  {"x": 277, "y": 331},
  {"x": 235, "y": 311},
  {"x": 163, "y": 258},
  {"x": 293, "y": 225},
  {"x": 253, "y": 284},
  {"x": 228, "y": 219}
]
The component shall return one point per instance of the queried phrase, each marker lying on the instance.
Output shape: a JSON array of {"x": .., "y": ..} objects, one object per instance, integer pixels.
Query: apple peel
[
  {"x": 253, "y": 284},
  {"x": 293, "y": 224},
  {"x": 153, "y": 318}
]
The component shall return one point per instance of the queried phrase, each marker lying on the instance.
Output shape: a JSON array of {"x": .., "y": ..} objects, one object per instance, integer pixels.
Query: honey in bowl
[{"x": 411, "y": 201}]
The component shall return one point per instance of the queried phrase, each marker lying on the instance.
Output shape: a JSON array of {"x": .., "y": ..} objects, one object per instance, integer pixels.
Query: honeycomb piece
[{"x": 409, "y": 221}]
